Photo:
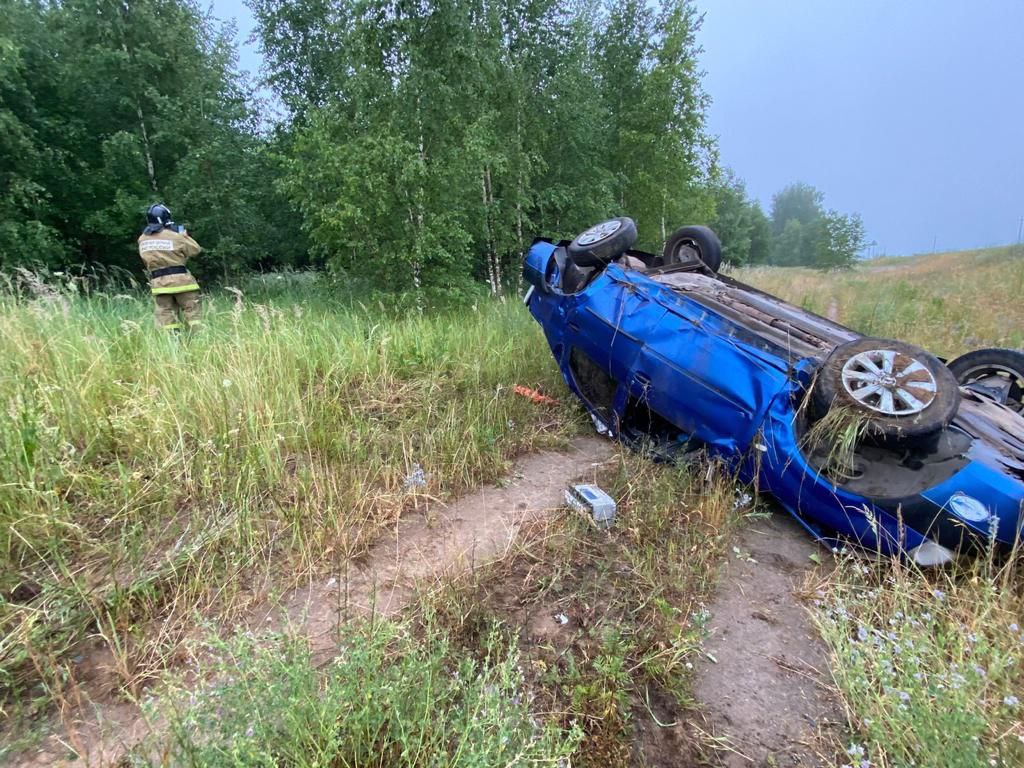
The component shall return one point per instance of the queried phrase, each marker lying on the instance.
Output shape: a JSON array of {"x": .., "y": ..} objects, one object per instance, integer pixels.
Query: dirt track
[
  {"x": 764, "y": 681},
  {"x": 763, "y": 696},
  {"x": 476, "y": 529}
]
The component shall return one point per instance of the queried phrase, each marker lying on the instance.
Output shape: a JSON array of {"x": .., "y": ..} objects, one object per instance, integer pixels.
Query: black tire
[
  {"x": 996, "y": 372},
  {"x": 603, "y": 242},
  {"x": 922, "y": 398},
  {"x": 699, "y": 239}
]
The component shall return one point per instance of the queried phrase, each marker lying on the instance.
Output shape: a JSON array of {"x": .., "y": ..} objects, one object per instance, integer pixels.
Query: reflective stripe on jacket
[{"x": 168, "y": 248}]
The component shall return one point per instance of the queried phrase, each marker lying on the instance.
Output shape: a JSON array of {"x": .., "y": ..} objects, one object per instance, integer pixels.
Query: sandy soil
[
  {"x": 474, "y": 530},
  {"x": 764, "y": 682}
]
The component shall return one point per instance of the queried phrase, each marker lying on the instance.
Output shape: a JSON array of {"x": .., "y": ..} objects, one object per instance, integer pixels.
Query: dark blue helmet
[{"x": 157, "y": 217}]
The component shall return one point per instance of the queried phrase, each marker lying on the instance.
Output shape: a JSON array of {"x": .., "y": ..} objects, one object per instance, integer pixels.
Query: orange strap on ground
[{"x": 534, "y": 395}]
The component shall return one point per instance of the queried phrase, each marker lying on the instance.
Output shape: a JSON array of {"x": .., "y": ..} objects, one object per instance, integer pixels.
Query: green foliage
[
  {"x": 760, "y": 235},
  {"x": 424, "y": 144},
  {"x": 841, "y": 238},
  {"x": 142, "y": 103},
  {"x": 439, "y": 138},
  {"x": 807, "y": 235},
  {"x": 799, "y": 233},
  {"x": 388, "y": 698},
  {"x": 929, "y": 665},
  {"x": 739, "y": 222},
  {"x": 798, "y": 202}
]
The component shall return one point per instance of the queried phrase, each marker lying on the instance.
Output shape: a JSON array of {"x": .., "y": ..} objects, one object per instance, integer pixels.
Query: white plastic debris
[
  {"x": 600, "y": 426},
  {"x": 590, "y": 498},
  {"x": 561, "y": 618},
  {"x": 742, "y": 500}
]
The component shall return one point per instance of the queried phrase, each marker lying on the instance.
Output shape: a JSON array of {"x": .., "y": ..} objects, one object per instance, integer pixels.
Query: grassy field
[
  {"x": 930, "y": 665},
  {"x": 147, "y": 475},
  {"x": 948, "y": 303},
  {"x": 151, "y": 484}
]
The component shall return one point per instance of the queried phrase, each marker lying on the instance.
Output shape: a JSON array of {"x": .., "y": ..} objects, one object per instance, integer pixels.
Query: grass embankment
[
  {"x": 158, "y": 481},
  {"x": 930, "y": 665},
  {"x": 948, "y": 303},
  {"x": 148, "y": 476},
  {"x": 573, "y": 649}
]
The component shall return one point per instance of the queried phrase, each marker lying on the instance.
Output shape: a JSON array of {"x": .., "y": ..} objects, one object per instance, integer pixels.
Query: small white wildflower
[
  {"x": 226, "y": 383},
  {"x": 855, "y": 750},
  {"x": 1014, "y": 628},
  {"x": 1011, "y": 701},
  {"x": 939, "y": 595}
]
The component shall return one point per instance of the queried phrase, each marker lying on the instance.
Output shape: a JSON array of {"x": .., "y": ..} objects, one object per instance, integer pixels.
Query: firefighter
[{"x": 164, "y": 248}]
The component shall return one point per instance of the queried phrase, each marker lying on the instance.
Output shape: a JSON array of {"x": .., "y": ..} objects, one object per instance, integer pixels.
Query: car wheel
[
  {"x": 603, "y": 242},
  {"x": 694, "y": 241},
  {"x": 998, "y": 373},
  {"x": 897, "y": 390}
]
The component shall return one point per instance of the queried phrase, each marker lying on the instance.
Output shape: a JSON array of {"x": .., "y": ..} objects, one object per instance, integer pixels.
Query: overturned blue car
[{"x": 868, "y": 441}]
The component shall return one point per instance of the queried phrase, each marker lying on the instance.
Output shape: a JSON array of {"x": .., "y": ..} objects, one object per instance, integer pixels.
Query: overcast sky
[{"x": 910, "y": 112}]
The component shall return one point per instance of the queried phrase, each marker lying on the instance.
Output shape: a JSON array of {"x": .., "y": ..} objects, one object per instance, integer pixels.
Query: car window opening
[
  {"x": 595, "y": 384},
  {"x": 648, "y": 429}
]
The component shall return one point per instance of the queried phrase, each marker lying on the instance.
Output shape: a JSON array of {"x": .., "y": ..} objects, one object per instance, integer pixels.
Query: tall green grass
[
  {"x": 391, "y": 696},
  {"x": 145, "y": 473},
  {"x": 929, "y": 666}
]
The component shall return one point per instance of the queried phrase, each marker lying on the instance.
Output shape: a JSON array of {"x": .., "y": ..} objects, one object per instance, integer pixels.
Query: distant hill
[{"x": 949, "y": 302}]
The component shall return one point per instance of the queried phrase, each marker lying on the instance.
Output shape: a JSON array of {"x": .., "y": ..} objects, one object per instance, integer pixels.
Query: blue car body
[{"x": 668, "y": 356}]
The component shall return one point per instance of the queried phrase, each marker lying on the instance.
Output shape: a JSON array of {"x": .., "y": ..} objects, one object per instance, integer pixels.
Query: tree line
[
  {"x": 798, "y": 230},
  {"x": 423, "y": 145}
]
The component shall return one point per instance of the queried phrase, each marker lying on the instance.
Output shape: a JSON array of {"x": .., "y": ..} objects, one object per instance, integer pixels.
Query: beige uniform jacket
[{"x": 168, "y": 248}]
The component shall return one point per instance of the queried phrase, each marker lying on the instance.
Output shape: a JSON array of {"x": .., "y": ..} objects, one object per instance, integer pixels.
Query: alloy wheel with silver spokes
[
  {"x": 897, "y": 391},
  {"x": 889, "y": 382},
  {"x": 599, "y": 232}
]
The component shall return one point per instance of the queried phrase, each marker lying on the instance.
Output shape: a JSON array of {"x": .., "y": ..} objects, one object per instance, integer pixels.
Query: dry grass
[
  {"x": 148, "y": 477},
  {"x": 930, "y": 665},
  {"x": 948, "y": 303}
]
